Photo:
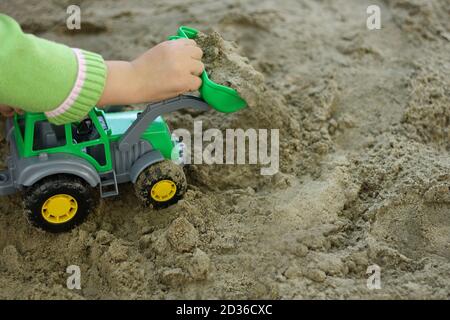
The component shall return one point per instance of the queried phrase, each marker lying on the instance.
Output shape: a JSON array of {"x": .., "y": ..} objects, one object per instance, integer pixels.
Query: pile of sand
[{"x": 225, "y": 66}]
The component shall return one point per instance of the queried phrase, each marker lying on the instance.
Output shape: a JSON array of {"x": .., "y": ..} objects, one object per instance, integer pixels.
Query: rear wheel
[
  {"x": 58, "y": 203},
  {"x": 161, "y": 184}
]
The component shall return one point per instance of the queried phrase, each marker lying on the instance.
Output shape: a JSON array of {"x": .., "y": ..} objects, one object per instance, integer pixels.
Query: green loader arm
[{"x": 154, "y": 110}]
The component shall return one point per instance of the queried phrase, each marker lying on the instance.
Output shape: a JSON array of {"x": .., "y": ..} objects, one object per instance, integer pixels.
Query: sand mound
[
  {"x": 225, "y": 66},
  {"x": 429, "y": 104}
]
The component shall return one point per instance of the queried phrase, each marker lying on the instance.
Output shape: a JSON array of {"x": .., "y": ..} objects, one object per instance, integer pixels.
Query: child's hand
[
  {"x": 167, "y": 70},
  {"x": 8, "y": 111}
]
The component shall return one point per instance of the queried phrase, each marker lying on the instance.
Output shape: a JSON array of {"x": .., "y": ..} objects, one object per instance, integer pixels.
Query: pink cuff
[{"x": 70, "y": 100}]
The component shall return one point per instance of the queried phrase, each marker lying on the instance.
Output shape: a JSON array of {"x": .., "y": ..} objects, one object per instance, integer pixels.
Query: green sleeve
[{"x": 37, "y": 75}]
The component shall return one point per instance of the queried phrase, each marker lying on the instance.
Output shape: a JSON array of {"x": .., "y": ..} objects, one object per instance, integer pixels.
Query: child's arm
[
  {"x": 167, "y": 70},
  {"x": 37, "y": 75}
]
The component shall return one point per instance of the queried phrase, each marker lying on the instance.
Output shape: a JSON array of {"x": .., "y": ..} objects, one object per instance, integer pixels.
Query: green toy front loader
[{"x": 57, "y": 167}]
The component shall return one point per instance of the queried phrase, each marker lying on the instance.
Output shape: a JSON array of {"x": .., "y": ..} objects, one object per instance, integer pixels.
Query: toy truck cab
[
  {"x": 34, "y": 136},
  {"x": 90, "y": 139},
  {"x": 57, "y": 167}
]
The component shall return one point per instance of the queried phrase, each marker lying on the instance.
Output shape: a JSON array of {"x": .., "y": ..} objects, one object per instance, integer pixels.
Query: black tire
[
  {"x": 164, "y": 170},
  {"x": 37, "y": 195}
]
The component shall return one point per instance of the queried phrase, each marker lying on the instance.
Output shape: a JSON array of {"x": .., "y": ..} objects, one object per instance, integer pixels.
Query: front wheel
[
  {"x": 161, "y": 184},
  {"x": 58, "y": 203}
]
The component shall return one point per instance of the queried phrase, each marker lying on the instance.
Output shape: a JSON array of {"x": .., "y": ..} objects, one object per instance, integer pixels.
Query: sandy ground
[{"x": 365, "y": 169}]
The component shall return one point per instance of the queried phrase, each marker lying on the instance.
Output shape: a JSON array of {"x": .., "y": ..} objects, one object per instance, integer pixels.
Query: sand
[{"x": 364, "y": 145}]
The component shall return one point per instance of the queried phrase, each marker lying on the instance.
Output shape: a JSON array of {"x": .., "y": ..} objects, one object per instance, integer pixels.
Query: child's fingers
[
  {"x": 7, "y": 113},
  {"x": 196, "y": 53},
  {"x": 19, "y": 111},
  {"x": 188, "y": 42},
  {"x": 197, "y": 67},
  {"x": 193, "y": 83}
]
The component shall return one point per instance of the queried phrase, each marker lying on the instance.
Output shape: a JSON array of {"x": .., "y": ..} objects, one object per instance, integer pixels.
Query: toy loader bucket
[{"x": 219, "y": 97}]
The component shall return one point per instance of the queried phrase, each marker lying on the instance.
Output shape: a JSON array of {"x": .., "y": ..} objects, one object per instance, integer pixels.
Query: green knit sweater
[{"x": 37, "y": 75}]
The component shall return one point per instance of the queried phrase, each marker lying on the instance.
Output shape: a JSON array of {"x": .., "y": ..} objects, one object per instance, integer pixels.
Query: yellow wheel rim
[
  {"x": 59, "y": 208},
  {"x": 163, "y": 190}
]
